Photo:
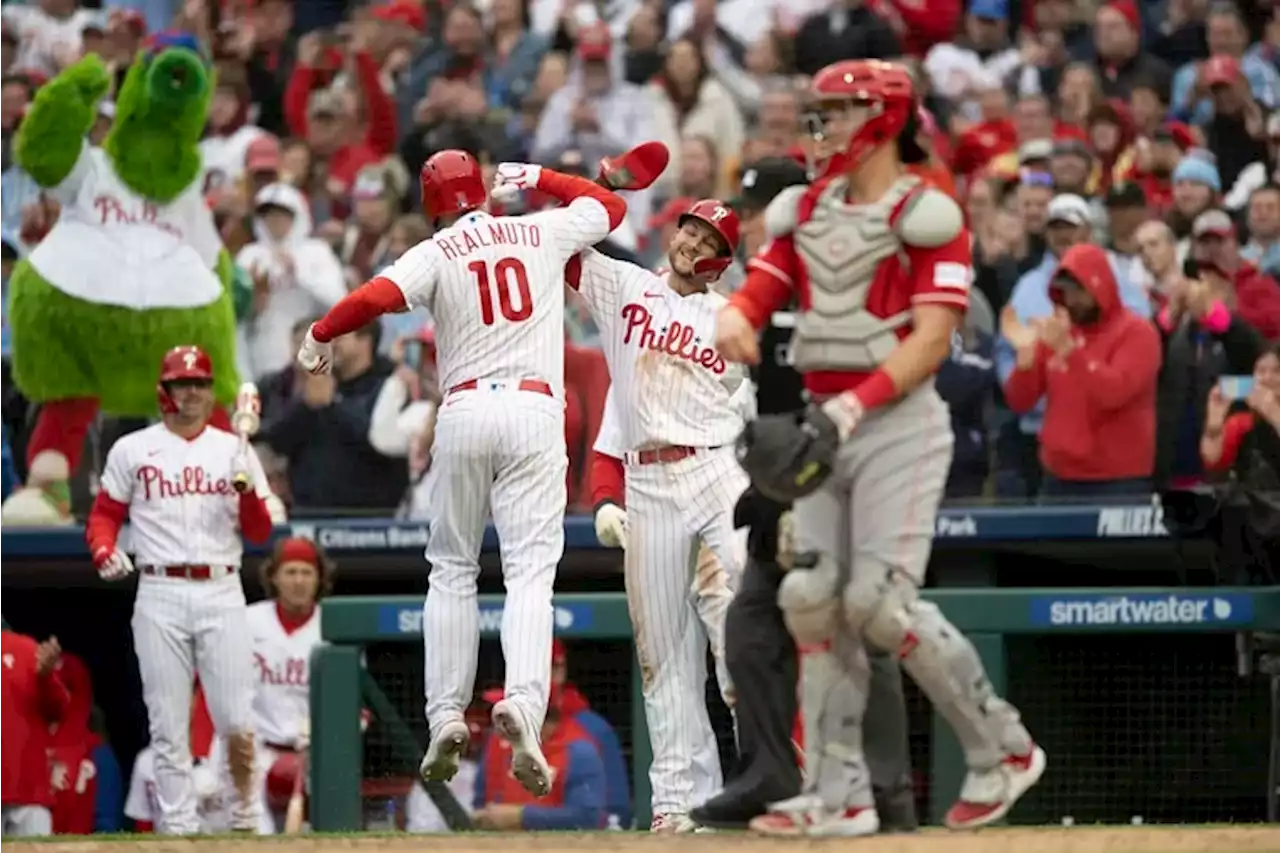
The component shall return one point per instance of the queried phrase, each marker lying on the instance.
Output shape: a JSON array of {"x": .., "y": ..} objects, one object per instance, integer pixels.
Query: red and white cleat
[
  {"x": 672, "y": 823},
  {"x": 988, "y": 796},
  {"x": 807, "y": 815}
]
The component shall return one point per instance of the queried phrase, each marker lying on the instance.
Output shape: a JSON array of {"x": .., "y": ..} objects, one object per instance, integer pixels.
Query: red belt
[
  {"x": 191, "y": 573},
  {"x": 671, "y": 453},
  {"x": 534, "y": 385}
]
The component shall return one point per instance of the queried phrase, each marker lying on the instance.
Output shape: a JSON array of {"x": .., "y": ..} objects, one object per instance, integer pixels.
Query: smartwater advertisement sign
[
  {"x": 1099, "y": 611},
  {"x": 569, "y": 619}
]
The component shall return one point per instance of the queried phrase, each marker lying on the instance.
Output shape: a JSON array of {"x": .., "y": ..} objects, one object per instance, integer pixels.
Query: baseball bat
[
  {"x": 245, "y": 423},
  {"x": 298, "y": 799}
]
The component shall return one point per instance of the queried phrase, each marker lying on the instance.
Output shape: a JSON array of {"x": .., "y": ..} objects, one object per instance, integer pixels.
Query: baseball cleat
[
  {"x": 672, "y": 823},
  {"x": 987, "y": 796},
  {"x": 528, "y": 764},
  {"x": 440, "y": 764},
  {"x": 808, "y": 815}
]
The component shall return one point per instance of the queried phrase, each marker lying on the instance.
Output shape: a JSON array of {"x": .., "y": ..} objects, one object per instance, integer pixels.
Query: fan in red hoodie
[
  {"x": 85, "y": 776},
  {"x": 32, "y": 697},
  {"x": 1095, "y": 362}
]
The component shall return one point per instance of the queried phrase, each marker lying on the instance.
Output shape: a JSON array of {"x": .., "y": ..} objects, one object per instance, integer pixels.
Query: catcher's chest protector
[{"x": 841, "y": 247}]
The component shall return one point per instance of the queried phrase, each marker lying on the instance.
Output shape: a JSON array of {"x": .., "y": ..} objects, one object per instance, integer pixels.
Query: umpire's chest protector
[{"x": 849, "y": 252}]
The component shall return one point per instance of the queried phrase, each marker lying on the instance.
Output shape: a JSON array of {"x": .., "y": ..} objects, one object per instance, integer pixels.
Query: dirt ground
[{"x": 1178, "y": 839}]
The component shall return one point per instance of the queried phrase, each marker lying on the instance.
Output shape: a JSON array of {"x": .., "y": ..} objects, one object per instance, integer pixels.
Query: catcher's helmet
[
  {"x": 185, "y": 362},
  {"x": 451, "y": 183},
  {"x": 887, "y": 88},
  {"x": 790, "y": 455},
  {"x": 721, "y": 218}
]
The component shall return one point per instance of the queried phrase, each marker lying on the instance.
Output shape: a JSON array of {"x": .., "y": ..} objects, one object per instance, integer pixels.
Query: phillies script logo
[
  {"x": 112, "y": 210},
  {"x": 292, "y": 674},
  {"x": 676, "y": 340},
  {"x": 191, "y": 481}
]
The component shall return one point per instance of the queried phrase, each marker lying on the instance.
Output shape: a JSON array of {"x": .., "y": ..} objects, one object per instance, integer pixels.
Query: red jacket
[
  {"x": 73, "y": 775},
  {"x": 30, "y": 703},
  {"x": 1100, "y": 412},
  {"x": 1258, "y": 300},
  {"x": 978, "y": 145}
]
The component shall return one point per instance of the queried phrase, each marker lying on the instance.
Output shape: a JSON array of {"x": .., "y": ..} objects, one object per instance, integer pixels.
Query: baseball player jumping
[
  {"x": 881, "y": 265},
  {"x": 674, "y": 408},
  {"x": 190, "y": 491},
  {"x": 495, "y": 286}
]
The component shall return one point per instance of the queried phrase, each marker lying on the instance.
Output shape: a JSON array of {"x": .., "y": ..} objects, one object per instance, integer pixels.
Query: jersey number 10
[{"x": 506, "y": 272}]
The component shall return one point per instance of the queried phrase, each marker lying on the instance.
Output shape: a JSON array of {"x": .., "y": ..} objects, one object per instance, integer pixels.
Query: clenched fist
[
  {"x": 314, "y": 356},
  {"x": 513, "y": 178},
  {"x": 611, "y": 526},
  {"x": 112, "y": 564}
]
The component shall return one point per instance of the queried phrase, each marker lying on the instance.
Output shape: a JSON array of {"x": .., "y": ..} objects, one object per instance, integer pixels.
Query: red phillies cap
[
  {"x": 595, "y": 42},
  {"x": 400, "y": 12},
  {"x": 1222, "y": 71},
  {"x": 263, "y": 155}
]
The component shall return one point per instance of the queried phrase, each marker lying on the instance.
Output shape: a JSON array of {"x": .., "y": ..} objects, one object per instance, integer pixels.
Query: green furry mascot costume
[{"x": 133, "y": 267}]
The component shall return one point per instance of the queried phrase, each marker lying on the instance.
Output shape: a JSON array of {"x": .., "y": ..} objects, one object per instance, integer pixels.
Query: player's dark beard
[{"x": 1084, "y": 316}]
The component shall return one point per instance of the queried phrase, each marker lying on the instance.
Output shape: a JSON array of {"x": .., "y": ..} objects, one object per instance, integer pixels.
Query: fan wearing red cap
[
  {"x": 880, "y": 264},
  {"x": 664, "y": 481},
  {"x": 495, "y": 287}
]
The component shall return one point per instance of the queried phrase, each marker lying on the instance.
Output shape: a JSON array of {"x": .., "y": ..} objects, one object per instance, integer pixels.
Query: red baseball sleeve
[
  {"x": 103, "y": 526},
  {"x": 53, "y": 697},
  {"x": 771, "y": 279},
  {"x": 608, "y": 480},
  {"x": 360, "y": 307},
  {"x": 565, "y": 188},
  {"x": 942, "y": 274},
  {"x": 1234, "y": 430},
  {"x": 255, "y": 520}
]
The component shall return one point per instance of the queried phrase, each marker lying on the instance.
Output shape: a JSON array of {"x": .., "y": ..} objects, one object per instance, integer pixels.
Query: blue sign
[
  {"x": 1101, "y": 611},
  {"x": 394, "y": 619}
]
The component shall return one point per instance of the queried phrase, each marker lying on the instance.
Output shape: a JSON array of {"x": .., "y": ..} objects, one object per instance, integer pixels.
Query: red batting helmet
[
  {"x": 451, "y": 183},
  {"x": 885, "y": 87},
  {"x": 186, "y": 362},
  {"x": 281, "y": 779},
  {"x": 721, "y": 218}
]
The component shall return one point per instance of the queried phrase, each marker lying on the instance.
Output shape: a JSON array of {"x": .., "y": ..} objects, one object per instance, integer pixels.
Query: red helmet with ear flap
[
  {"x": 187, "y": 362},
  {"x": 724, "y": 222},
  {"x": 886, "y": 87},
  {"x": 451, "y": 183}
]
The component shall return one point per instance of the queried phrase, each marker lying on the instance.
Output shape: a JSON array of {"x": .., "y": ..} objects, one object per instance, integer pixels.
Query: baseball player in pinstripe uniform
[
  {"x": 495, "y": 286},
  {"x": 189, "y": 494},
  {"x": 673, "y": 410},
  {"x": 881, "y": 265}
]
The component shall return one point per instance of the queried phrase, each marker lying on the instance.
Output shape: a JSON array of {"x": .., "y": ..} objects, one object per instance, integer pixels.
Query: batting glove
[
  {"x": 611, "y": 526},
  {"x": 845, "y": 411},
  {"x": 513, "y": 179},
  {"x": 314, "y": 356},
  {"x": 112, "y": 564}
]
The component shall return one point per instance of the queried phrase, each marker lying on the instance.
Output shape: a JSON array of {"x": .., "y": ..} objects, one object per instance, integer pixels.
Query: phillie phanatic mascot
[{"x": 134, "y": 266}]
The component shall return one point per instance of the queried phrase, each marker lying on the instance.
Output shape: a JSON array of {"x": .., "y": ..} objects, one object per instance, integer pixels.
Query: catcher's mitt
[{"x": 789, "y": 456}]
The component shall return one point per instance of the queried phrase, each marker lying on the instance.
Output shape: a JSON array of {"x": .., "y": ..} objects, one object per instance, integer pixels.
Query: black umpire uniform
[{"x": 759, "y": 651}]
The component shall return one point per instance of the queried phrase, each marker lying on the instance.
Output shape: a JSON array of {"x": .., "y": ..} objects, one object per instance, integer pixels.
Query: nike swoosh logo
[
  {"x": 649, "y": 295},
  {"x": 154, "y": 452}
]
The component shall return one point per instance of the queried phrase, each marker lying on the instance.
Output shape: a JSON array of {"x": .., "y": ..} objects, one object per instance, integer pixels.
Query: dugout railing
[{"x": 1134, "y": 692}]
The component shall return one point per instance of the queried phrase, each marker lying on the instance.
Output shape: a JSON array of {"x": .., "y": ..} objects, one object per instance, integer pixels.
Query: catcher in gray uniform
[{"x": 881, "y": 265}]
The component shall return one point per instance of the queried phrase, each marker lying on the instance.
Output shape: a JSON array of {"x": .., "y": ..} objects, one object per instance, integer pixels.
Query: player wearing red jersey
[{"x": 881, "y": 265}]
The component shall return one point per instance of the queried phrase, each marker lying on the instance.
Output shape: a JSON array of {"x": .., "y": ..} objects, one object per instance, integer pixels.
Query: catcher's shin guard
[{"x": 885, "y": 742}]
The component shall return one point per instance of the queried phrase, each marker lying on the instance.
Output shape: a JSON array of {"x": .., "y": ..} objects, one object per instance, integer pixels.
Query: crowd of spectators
[{"x": 1147, "y": 130}]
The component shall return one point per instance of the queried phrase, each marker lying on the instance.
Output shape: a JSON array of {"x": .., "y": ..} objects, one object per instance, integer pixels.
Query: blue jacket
[
  {"x": 617, "y": 781},
  {"x": 577, "y": 797},
  {"x": 967, "y": 382},
  {"x": 108, "y": 806},
  {"x": 1030, "y": 299}
]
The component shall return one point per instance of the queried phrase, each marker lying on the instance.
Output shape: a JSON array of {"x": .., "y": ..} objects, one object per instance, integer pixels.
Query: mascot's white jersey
[{"x": 111, "y": 246}]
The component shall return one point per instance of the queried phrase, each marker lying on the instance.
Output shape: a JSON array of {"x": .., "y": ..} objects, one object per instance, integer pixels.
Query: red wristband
[{"x": 875, "y": 391}]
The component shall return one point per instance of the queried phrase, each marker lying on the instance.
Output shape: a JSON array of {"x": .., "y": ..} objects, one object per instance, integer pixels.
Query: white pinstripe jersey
[
  {"x": 182, "y": 507},
  {"x": 281, "y": 662},
  {"x": 671, "y": 386},
  {"x": 495, "y": 287}
]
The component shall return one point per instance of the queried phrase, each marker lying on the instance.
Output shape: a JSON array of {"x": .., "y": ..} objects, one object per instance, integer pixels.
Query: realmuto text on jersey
[
  {"x": 487, "y": 234},
  {"x": 675, "y": 339},
  {"x": 190, "y": 481}
]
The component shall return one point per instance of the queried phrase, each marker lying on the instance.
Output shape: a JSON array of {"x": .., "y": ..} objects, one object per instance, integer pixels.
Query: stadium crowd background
[{"x": 1063, "y": 121}]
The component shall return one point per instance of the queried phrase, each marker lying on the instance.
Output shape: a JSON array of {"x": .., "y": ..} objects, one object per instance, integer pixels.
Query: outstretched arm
[{"x": 50, "y": 142}]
